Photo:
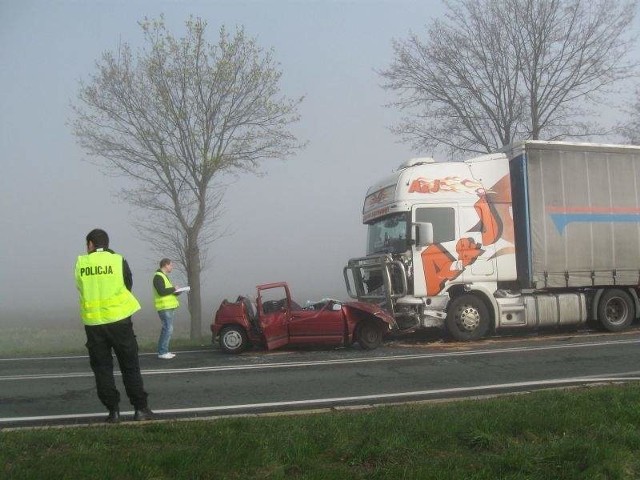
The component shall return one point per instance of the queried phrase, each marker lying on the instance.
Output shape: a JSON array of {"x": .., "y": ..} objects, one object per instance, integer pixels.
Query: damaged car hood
[{"x": 372, "y": 309}]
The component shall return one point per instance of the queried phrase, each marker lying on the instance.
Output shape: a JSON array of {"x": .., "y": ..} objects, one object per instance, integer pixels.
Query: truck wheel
[
  {"x": 467, "y": 318},
  {"x": 615, "y": 310},
  {"x": 233, "y": 339},
  {"x": 369, "y": 335}
]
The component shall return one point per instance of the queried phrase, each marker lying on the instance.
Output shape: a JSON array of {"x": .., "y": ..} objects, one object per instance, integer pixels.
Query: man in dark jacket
[{"x": 104, "y": 282}]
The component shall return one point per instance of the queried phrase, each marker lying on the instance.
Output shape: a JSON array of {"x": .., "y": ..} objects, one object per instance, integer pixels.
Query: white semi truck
[{"x": 539, "y": 234}]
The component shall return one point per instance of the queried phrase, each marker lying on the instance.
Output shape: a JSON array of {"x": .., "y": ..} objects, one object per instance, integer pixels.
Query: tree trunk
[{"x": 195, "y": 301}]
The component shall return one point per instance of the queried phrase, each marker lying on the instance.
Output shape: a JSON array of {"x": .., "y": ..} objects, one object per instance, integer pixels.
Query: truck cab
[{"x": 430, "y": 228}]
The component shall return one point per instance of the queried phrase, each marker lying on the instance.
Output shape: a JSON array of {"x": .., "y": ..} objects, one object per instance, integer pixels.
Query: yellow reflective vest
[
  {"x": 165, "y": 302},
  {"x": 104, "y": 298}
]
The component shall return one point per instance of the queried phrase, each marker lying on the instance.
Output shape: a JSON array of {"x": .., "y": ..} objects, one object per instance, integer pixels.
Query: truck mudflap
[{"x": 374, "y": 310}]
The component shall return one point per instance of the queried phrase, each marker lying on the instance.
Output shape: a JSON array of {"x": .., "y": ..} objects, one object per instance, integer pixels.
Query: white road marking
[
  {"x": 392, "y": 358},
  {"x": 367, "y": 399}
]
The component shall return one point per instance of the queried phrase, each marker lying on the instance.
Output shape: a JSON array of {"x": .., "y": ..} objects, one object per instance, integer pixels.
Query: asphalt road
[{"x": 203, "y": 383}]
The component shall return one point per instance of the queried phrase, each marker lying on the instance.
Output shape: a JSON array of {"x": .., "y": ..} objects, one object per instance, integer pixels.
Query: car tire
[
  {"x": 369, "y": 335},
  {"x": 233, "y": 339}
]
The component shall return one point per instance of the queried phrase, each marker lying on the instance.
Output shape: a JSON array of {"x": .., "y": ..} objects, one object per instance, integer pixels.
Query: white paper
[{"x": 183, "y": 289}]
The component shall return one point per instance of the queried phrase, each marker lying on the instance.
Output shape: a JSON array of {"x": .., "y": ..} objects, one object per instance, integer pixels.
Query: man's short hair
[
  {"x": 164, "y": 262},
  {"x": 99, "y": 238}
]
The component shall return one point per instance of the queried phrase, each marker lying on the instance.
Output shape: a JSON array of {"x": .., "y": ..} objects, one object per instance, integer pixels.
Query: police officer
[{"x": 104, "y": 282}]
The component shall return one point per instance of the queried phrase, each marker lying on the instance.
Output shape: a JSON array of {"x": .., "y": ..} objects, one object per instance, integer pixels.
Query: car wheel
[
  {"x": 233, "y": 339},
  {"x": 615, "y": 310},
  {"x": 467, "y": 318},
  {"x": 369, "y": 335}
]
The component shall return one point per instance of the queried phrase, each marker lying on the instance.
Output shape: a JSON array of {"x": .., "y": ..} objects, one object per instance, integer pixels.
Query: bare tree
[
  {"x": 177, "y": 117},
  {"x": 495, "y": 71},
  {"x": 631, "y": 129}
]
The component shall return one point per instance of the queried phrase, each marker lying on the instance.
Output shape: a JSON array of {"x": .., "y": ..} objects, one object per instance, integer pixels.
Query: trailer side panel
[{"x": 583, "y": 209}]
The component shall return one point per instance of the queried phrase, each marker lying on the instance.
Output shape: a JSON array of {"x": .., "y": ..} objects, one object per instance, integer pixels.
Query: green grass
[
  {"x": 588, "y": 433},
  {"x": 69, "y": 338},
  {"x": 28, "y": 341}
]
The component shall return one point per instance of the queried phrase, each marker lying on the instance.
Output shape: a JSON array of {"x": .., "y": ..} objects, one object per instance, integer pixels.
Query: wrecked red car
[{"x": 275, "y": 320}]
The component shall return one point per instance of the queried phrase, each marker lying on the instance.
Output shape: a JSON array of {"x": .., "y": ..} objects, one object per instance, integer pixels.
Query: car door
[
  {"x": 323, "y": 325},
  {"x": 273, "y": 314}
]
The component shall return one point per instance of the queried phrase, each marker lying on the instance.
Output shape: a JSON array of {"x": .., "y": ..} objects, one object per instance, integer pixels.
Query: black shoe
[
  {"x": 143, "y": 414},
  {"x": 114, "y": 416}
]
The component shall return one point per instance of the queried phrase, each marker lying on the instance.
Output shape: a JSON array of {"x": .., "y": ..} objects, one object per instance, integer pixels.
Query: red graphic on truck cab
[
  {"x": 468, "y": 250},
  {"x": 447, "y": 184},
  {"x": 439, "y": 263},
  {"x": 494, "y": 211},
  {"x": 495, "y": 222},
  {"x": 376, "y": 198}
]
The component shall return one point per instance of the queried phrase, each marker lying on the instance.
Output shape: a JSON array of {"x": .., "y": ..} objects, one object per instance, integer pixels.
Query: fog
[{"x": 299, "y": 223}]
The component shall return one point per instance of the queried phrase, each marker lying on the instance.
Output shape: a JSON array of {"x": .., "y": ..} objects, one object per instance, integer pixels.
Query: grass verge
[
  {"x": 589, "y": 433},
  {"x": 28, "y": 341}
]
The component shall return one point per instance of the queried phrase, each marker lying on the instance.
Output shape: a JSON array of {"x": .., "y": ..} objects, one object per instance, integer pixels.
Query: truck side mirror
[{"x": 424, "y": 234}]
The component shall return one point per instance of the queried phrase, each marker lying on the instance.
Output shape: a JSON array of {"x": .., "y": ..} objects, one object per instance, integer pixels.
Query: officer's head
[
  {"x": 166, "y": 265},
  {"x": 97, "y": 238}
]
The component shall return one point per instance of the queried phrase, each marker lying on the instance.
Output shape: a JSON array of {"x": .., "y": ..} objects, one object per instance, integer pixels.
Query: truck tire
[
  {"x": 369, "y": 335},
  {"x": 467, "y": 318},
  {"x": 615, "y": 310},
  {"x": 233, "y": 339}
]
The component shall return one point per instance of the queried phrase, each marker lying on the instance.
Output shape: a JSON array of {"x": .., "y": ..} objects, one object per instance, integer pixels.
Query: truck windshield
[{"x": 388, "y": 234}]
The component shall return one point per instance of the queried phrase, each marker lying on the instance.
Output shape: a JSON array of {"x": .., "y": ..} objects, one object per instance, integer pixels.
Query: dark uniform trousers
[{"x": 119, "y": 336}]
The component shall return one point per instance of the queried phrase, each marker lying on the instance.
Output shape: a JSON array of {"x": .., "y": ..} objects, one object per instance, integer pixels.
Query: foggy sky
[{"x": 299, "y": 223}]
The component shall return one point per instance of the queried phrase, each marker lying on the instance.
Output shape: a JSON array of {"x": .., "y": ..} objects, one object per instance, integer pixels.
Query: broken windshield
[{"x": 388, "y": 234}]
